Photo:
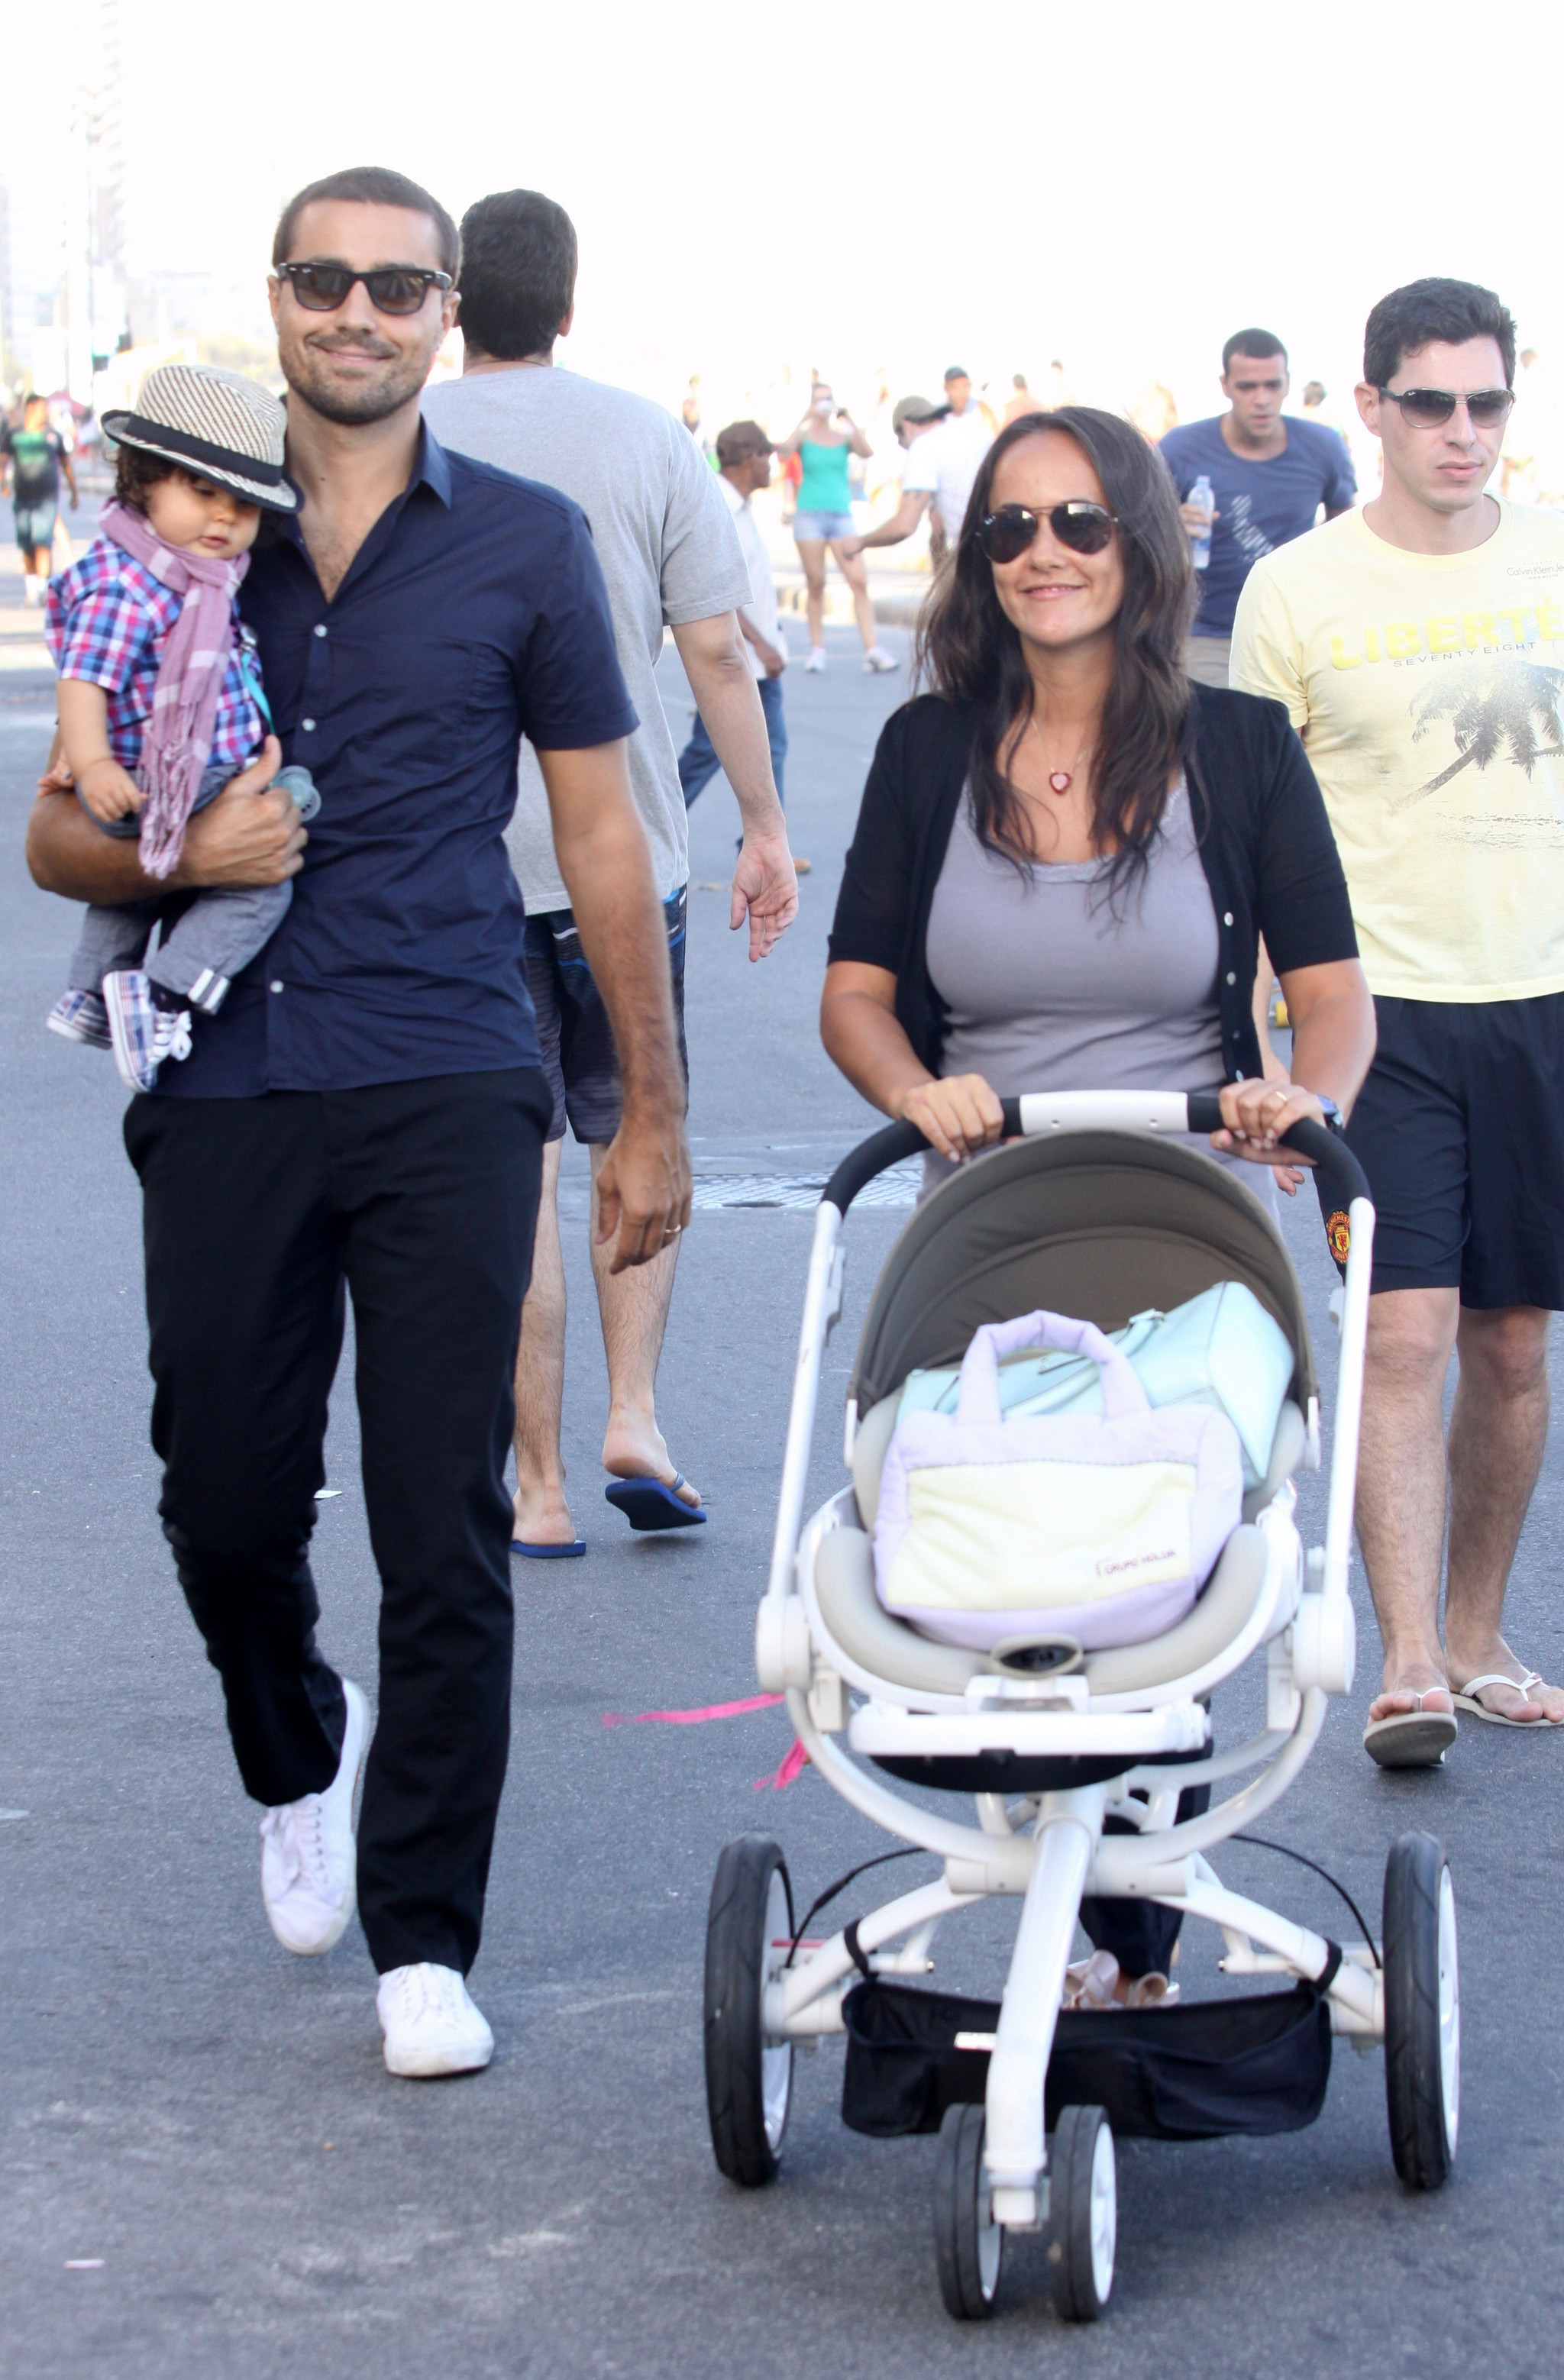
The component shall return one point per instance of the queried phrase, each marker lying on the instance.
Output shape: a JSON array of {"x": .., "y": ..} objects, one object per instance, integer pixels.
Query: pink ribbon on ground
[
  {"x": 691, "y": 1717},
  {"x": 792, "y": 1762}
]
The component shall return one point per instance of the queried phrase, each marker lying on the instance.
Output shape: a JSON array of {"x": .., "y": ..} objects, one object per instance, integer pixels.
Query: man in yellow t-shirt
[{"x": 1419, "y": 646}]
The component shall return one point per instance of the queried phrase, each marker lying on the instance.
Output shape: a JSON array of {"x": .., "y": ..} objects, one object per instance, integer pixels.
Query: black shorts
[
  {"x": 580, "y": 1061},
  {"x": 1460, "y": 1128}
]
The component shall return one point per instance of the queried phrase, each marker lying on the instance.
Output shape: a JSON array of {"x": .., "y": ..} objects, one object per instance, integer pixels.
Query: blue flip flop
[
  {"x": 572, "y": 1552},
  {"x": 650, "y": 1504}
]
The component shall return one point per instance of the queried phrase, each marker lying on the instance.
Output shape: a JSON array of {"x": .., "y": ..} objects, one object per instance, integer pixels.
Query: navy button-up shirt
[{"x": 474, "y": 613}]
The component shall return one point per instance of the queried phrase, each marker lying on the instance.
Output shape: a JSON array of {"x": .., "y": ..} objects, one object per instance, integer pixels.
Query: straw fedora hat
[{"x": 215, "y": 424}]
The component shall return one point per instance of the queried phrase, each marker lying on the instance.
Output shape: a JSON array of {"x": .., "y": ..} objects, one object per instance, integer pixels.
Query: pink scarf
[{"x": 176, "y": 745}]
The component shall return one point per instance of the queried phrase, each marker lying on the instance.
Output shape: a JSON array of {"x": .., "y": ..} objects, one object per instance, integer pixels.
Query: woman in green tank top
[{"x": 823, "y": 441}]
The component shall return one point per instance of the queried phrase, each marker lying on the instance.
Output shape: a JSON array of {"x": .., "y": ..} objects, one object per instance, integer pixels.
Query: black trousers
[{"x": 419, "y": 1200}]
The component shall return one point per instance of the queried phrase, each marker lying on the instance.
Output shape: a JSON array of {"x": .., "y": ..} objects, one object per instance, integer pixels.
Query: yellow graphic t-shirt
[{"x": 1429, "y": 689}]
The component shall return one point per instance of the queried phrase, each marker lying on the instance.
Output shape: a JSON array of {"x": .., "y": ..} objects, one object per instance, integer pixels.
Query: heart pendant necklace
[{"x": 1060, "y": 779}]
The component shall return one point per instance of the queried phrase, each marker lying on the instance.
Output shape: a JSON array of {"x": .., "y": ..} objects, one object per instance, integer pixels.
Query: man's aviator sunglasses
[
  {"x": 1428, "y": 407},
  {"x": 393, "y": 288},
  {"x": 1083, "y": 527}
]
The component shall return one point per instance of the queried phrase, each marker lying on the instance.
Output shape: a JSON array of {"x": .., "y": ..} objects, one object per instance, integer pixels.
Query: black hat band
[{"x": 194, "y": 449}]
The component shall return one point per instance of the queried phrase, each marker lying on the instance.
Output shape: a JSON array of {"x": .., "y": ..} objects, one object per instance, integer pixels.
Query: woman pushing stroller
[{"x": 1066, "y": 852}]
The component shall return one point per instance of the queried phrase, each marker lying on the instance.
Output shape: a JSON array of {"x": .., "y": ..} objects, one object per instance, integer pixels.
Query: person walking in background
[
  {"x": 31, "y": 459},
  {"x": 665, "y": 537},
  {"x": 823, "y": 519},
  {"x": 964, "y": 406},
  {"x": 944, "y": 465},
  {"x": 1021, "y": 401},
  {"x": 1419, "y": 648},
  {"x": 913, "y": 418},
  {"x": 743, "y": 467},
  {"x": 1268, "y": 477},
  {"x": 365, "y": 1115}
]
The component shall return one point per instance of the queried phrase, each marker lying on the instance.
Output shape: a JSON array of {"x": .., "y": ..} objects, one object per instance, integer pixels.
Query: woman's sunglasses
[
  {"x": 393, "y": 288},
  {"x": 1084, "y": 528},
  {"x": 1430, "y": 406}
]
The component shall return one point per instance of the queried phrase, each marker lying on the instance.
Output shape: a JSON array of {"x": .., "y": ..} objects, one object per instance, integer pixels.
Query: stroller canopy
[{"x": 1096, "y": 1224}]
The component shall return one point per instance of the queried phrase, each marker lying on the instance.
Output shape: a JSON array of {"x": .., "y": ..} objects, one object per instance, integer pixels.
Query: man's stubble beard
[{"x": 302, "y": 370}]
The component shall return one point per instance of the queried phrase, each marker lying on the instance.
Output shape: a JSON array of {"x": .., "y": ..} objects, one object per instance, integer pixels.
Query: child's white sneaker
[
  {"x": 430, "y": 2025},
  {"x": 815, "y": 659},
  {"x": 142, "y": 1034},
  {"x": 877, "y": 659},
  {"x": 80, "y": 1016}
]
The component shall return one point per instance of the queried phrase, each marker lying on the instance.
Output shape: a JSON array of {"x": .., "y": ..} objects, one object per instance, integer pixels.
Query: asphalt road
[{"x": 206, "y": 2170}]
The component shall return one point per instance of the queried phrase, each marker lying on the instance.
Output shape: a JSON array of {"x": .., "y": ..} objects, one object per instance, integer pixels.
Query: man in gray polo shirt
[{"x": 669, "y": 555}]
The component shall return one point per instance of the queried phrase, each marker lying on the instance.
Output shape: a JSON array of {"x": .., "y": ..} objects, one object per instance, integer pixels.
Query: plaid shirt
[{"x": 107, "y": 621}]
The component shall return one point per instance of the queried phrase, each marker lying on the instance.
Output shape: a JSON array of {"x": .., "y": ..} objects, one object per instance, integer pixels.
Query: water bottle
[{"x": 1205, "y": 495}]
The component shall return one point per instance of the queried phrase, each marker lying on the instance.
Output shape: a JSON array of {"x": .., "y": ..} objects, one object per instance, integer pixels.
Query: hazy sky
[{"x": 901, "y": 184}]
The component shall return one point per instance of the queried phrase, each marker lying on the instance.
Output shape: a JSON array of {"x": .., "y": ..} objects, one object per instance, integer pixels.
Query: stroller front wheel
[
  {"x": 1422, "y": 2011},
  {"x": 968, "y": 2243},
  {"x": 748, "y": 2079}
]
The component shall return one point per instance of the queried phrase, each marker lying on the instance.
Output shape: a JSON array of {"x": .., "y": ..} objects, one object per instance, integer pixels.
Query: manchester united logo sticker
[{"x": 1338, "y": 1231}]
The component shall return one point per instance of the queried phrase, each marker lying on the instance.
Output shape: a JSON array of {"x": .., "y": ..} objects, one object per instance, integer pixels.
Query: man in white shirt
[
  {"x": 670, "y": 557},
  {"x": 915, "y": 422},
  {"x": 940, "y": 470},
  {"x": 744, "y": 461}
]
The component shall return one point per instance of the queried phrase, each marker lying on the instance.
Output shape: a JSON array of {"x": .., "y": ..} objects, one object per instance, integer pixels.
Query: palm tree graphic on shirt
[{"x": 1494, "y": 708}]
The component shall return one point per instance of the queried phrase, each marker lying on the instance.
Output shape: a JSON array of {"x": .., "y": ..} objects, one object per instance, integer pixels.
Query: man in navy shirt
[
  {"x": 366, "y": 1114},
  {"x": 1269, "y": 474}
]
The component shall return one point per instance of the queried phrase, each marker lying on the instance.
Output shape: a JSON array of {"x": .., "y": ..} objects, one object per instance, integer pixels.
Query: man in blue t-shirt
[{"x": 1269, "y": 473}]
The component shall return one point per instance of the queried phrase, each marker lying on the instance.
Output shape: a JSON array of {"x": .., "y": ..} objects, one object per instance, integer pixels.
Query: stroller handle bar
[{"x": 1039, "y": 1112}]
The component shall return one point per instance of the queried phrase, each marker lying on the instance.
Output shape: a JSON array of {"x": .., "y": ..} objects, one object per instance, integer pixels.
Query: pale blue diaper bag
[{"x": 1220, "y": 1349}]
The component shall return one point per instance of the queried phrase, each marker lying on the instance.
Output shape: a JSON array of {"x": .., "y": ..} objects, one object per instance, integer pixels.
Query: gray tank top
[{"x": 1051, "y": 986}]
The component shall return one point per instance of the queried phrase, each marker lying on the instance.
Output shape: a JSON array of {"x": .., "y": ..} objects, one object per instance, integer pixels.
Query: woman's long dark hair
[{"x": 970, "y": 652}]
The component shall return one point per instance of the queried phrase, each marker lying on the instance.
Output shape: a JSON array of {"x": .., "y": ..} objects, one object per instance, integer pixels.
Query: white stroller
[{"x": 1092, "y": 1211}]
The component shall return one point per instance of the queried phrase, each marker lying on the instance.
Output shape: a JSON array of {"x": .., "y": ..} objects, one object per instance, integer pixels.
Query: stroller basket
[{"x": 1191, "y": 2072}]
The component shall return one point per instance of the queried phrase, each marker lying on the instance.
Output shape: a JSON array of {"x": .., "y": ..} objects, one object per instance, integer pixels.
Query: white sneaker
[
  {"x": 878, "y": 659},
  {"x": 308, "y": 1876},
  {"x": 430, "y": 2025},
  {"x": 815, "y": 659}
]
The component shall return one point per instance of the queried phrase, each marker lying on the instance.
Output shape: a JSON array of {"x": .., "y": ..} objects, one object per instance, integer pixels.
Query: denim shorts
[
  {"x": 580, "y": 1063},
  {"x": 825, "y": 526}
]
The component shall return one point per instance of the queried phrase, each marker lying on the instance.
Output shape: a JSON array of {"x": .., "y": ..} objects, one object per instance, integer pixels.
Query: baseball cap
[
  {"x": 914, "y": 409},
  {"x": 740, "y": 440},
  {"x": 957, "y": 371}
]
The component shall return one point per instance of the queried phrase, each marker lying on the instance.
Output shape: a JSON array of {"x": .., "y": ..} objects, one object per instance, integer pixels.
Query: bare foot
[
  {"x": 1507, "y": 1702},
  {"x": 542, "y": 1518},
  {"x": 636, "y": 1450},
  {"x": 1417, "y": 1685}
]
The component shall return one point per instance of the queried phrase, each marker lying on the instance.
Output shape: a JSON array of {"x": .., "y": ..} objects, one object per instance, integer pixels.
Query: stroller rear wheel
[
  {"x": 1083, "y": 2213},
  {"x": 968, "y": 2243},
  {"x": 1422, "y": 2011},
  {"x": 748, "y": 2079}
]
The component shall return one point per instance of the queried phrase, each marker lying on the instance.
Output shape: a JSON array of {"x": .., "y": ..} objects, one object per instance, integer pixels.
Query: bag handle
[{"x": 978, "y": 1398}]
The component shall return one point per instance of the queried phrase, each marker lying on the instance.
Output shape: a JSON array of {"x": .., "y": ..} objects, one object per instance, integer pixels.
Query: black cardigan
[{"x": 1264, "y": 837}]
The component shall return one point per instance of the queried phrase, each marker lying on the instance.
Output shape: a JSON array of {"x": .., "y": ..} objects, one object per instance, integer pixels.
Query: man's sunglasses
[
  {"x": 1084, "y": 528},
  {"x": 393, "y": 288},
  {"x": 1430, "y": 406}
]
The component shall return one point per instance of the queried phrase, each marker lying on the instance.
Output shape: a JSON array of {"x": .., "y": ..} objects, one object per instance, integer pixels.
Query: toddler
[{"x": 161, "y": 701}]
